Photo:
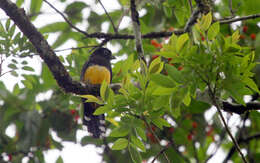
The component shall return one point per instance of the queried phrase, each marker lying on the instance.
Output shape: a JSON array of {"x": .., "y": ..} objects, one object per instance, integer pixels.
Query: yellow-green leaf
[
  {"x": 206, "y": 21},
  {"x": 91, "y": 98},
  {"x": 134, "y": 153},
  {"x": 235, "y": 37},
  {"x": 104, "y": 90},
  {"x": 120, "y": 144},
  {"x": 213, "y": 31},
  {"x": 187, "y": 99},
  {"x": 101, "y": 110},
  {"x": 181, "y": 41},
  {"x": 156, "y": 66},
  {"x": 138, "y": 143},
  {"x": 249, "y": 82}
]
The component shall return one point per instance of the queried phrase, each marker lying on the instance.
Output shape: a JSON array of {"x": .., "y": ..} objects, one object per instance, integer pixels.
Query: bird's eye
[{"x": 107, "y": 53}]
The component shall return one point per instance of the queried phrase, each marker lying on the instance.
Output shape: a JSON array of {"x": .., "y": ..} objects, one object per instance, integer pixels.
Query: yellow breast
[{"x": 96, "y": 74}]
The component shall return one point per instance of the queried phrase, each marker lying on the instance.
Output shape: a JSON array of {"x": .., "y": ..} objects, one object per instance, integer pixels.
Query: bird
[{"x": 95, "y": 70}]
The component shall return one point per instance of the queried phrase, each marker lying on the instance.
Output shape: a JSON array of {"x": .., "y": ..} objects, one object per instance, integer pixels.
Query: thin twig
[
  {"x": 161, "y": 152},
  {"x": 230, "y": 8},
  {"x": 121, "y": 17},
  {"x": 186, "y": 159},
  {"x": 215, "y": 102},
  {"x": 232, "y": 20},
  {"x": 6, "y": 73},
  {"x": 156, "y": 137},
  {"x": 100, "y": 45},
  {"x": 67, "y": 20},
  {"x": 222, "y": 138},
  {"x": 77, "y": 48},
  {"x": 1, "y": 63},
  {"x": 240, "y": 141},
  {"x": 195, "y": 14},
  {"x": 114, "y": 27},
  {"x": 190, "y": 4},
  {"x": 161, "y": 34}
]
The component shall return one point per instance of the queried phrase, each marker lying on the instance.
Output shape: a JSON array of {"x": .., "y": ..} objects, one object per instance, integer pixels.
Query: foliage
[{"x": 159, "y": 107}]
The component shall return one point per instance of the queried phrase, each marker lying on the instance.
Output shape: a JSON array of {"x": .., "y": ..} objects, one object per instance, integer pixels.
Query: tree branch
[
  {"x": 76, "y": 48},
  {"x": 137, "y": 31},
  {"x": 67, "y": 20},
  {"x": 156, "y": 137},
  {"x": 218, "y": 106},
  {"x": 241, "y": 141},
  {"x": 113, "y": 25},
  {"x": 230, "y": 8},
  {"x": 240, "y": 109},
  {"x": 201, "y": 7},
  {"x": 161, "y": 152},
  {"x": 43, "y": 48},
  {"x": 232, "y": 20}
]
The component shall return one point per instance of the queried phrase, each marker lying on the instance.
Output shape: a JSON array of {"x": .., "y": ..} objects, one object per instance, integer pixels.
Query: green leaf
[
  {"x": 250, "y": 83},
  {"x": 120, "y": 131},
  {"x": 59, "y": 160},
  {"x": 162, "y": 80},
  {"x": 141, "y": 132},
  {"x": 12, "y": 66},
  {"x": 181, "y": 41},
  {"x": 213, "y": 30},
  {"x": 54, "y": 27},
  {"x": 167, "y": 11},
  {"x": 35, "y": 7},
  {"x": 62, "y": 38},
  {"x": 28, "y": 68},
  {"x": 102, "y": 110},
  {"x": 12, "y": 30},
  {"x": 176, "y": 112},
  {"x": 91, "y": 98},
  {"x": 7, "y": 24},
  {"x": 19, "y": 2},
  {"x": 163, "y": 91},
  {"x": 235, "y": 37},
  {"x": 104, "y": 91},
  {"x": 160, "y": 122},
  {"x": 174, "y": 73},
  {"x": 198, "y": 107},
  {"x": 135, "y": 155},
  {"x": 120, "y": 144},
  {"x": 27, "y": 84},
  {"x": 206, "y": 21},
  {"x": 167, "y": 54},
  {"x": 187, "y": 99},
  {"x": 179, "y": 14},
  {"x": 236, "y": 89},
  {"x": 138, "y": 143},
  {"x": 156, "y": 66}
]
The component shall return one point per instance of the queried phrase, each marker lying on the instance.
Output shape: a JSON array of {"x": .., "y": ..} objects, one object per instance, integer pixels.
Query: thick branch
[
  {"x": 240, "y": 109},
  {"x": 46, "y": 53},
  {"x": 137, "y": 31}
]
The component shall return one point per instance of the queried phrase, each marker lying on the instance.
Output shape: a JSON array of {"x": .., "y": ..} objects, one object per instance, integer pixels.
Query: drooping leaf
[
  {"x": 120, "y": 144},
  {"x": 135, "y": 155}
]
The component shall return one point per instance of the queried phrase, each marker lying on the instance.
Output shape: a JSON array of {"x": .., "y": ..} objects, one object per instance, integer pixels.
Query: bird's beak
[{"x": 112, "y": 57}]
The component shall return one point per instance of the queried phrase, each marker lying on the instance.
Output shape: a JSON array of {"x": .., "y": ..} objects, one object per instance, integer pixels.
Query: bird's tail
[{"x": 94, "y": 123}]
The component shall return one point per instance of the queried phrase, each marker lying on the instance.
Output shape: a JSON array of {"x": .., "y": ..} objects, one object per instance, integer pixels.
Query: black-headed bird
[{"x": 94, "y": 72}]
